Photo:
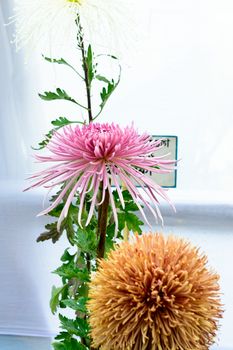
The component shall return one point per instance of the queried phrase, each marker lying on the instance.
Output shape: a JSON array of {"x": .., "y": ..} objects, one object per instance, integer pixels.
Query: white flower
[{"x": 50, "y": 24}]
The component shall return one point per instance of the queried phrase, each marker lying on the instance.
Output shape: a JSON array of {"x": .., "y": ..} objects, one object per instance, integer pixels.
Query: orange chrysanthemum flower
[{"x": 154, "y": 293}]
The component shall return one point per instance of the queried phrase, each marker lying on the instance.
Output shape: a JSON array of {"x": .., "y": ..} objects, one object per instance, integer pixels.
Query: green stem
[
  {"x": 88, "y": 85},
  {"x": 102, "y": 226},
  {"x": 88, "y": 259},
  {"x": 85, "y": 68}
]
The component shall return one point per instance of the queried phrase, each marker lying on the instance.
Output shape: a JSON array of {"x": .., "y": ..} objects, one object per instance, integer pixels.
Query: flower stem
[
  {"x": 102, "y": 226},
  {"x": 85, "y": 68},
  {"x": 88, "y": 85}
]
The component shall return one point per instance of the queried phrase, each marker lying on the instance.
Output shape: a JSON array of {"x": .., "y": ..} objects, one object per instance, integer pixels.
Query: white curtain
[
  {"x": 21, "y": 125},
  {"x": 25, "y": 265}
]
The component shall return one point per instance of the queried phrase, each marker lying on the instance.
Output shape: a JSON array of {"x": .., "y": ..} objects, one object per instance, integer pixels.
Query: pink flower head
[{"x": 86, "y": 157}]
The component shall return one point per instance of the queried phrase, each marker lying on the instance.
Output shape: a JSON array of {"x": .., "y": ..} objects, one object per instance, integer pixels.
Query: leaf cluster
[
  {"x": 127, "y": 217},
  {"x": 89, "y": 66},
  {"x": 72, "y": 294}
]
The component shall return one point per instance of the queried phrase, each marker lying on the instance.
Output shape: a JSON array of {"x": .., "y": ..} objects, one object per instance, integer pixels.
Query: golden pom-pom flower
[{"x": 154, "y": 293}]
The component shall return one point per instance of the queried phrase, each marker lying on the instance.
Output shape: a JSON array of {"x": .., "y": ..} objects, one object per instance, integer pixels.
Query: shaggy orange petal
[{"x": 154, "y": 293}]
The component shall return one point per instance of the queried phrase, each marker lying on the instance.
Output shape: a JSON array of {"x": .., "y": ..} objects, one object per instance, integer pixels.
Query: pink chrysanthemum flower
[{"x": 92, "y": 155}]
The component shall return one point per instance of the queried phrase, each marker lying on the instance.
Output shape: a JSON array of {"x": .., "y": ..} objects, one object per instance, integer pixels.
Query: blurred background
[{"x": 178, "y": 80}]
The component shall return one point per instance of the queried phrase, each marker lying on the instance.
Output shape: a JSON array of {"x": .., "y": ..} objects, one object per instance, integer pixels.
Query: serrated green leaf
[
  {"x": 51, "y": 233},
  {"x": 86, "y": 240},
  {"x": 59, "y": 95},
  {"x": 78, "y": 327},
  {"x": 70, "y": 270},
  {"x": 77, "y": 305},
  {"x": 133, "y": 222},
  {"x": 61, "y": 121}
]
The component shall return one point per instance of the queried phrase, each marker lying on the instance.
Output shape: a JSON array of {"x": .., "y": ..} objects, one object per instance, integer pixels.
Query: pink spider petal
[{"x": 98, "y": 155}]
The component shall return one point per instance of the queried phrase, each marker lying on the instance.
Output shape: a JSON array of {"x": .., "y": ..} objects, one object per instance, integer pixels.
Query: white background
[{"x": 179, "y": 81}]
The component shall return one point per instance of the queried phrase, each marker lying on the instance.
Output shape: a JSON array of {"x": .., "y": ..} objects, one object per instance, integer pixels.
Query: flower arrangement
[{"x": 150, "y": 294}]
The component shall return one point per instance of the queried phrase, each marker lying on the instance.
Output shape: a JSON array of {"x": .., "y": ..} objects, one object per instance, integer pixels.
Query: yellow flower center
[{"x": 76, "y": 1}]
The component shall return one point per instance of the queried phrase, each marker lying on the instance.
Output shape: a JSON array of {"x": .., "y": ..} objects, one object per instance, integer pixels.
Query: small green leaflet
[
  {"x": 90, "y": 65},
  {"x": 78, "y": 327},
  {"x": 51, "y": 233},
  {"x": 70, "y": 270},
  {"x": 101, "y": 78},
  {"x": 77, "y": 305},
  {"x": 62, "y": 61},
  {"x": 66, "y": 256},
  {"x": 86, "y": 240},
  {"x": 62, "y": 121},
  {"x": 54, "y": 60},
  {"x": 58, "y": 95},
  {"x": 56, "y": 297},
  {"x": 71, "y": 344}
]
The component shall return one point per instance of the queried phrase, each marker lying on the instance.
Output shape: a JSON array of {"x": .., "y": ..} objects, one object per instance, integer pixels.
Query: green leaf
[
  {"x": 57, "y": 211},
  {"x": 61, "y": 121},
  {"x": 70, "y": 270},
  {"x": 101, "y": 78},
  {"x": 71, "y": 344},
  {"x": 86, "y": 240},
  {"x": 67, "y": 256},
  {"x": 59, "y": 346},
  {"x": 63, "y": 336},
  {"x": 107, "y": 92},
  {"x": 44, "y": 142},
  {"x": 78, "y": 327},
  {"x": 62, "y": 61},
  {"x": 54, "y": 60},
  {"x": 77, "y": 305},
  {"x": 109, "y": 89},
  {"x": 51, "y": 233},
  {"x": 58, "y": 95},
  {"x": 132, "y": 221},
  {"x": 89, "y": 63},
  {"x": 55, "y": 298},
  {"x": 130, "y": 205}
]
